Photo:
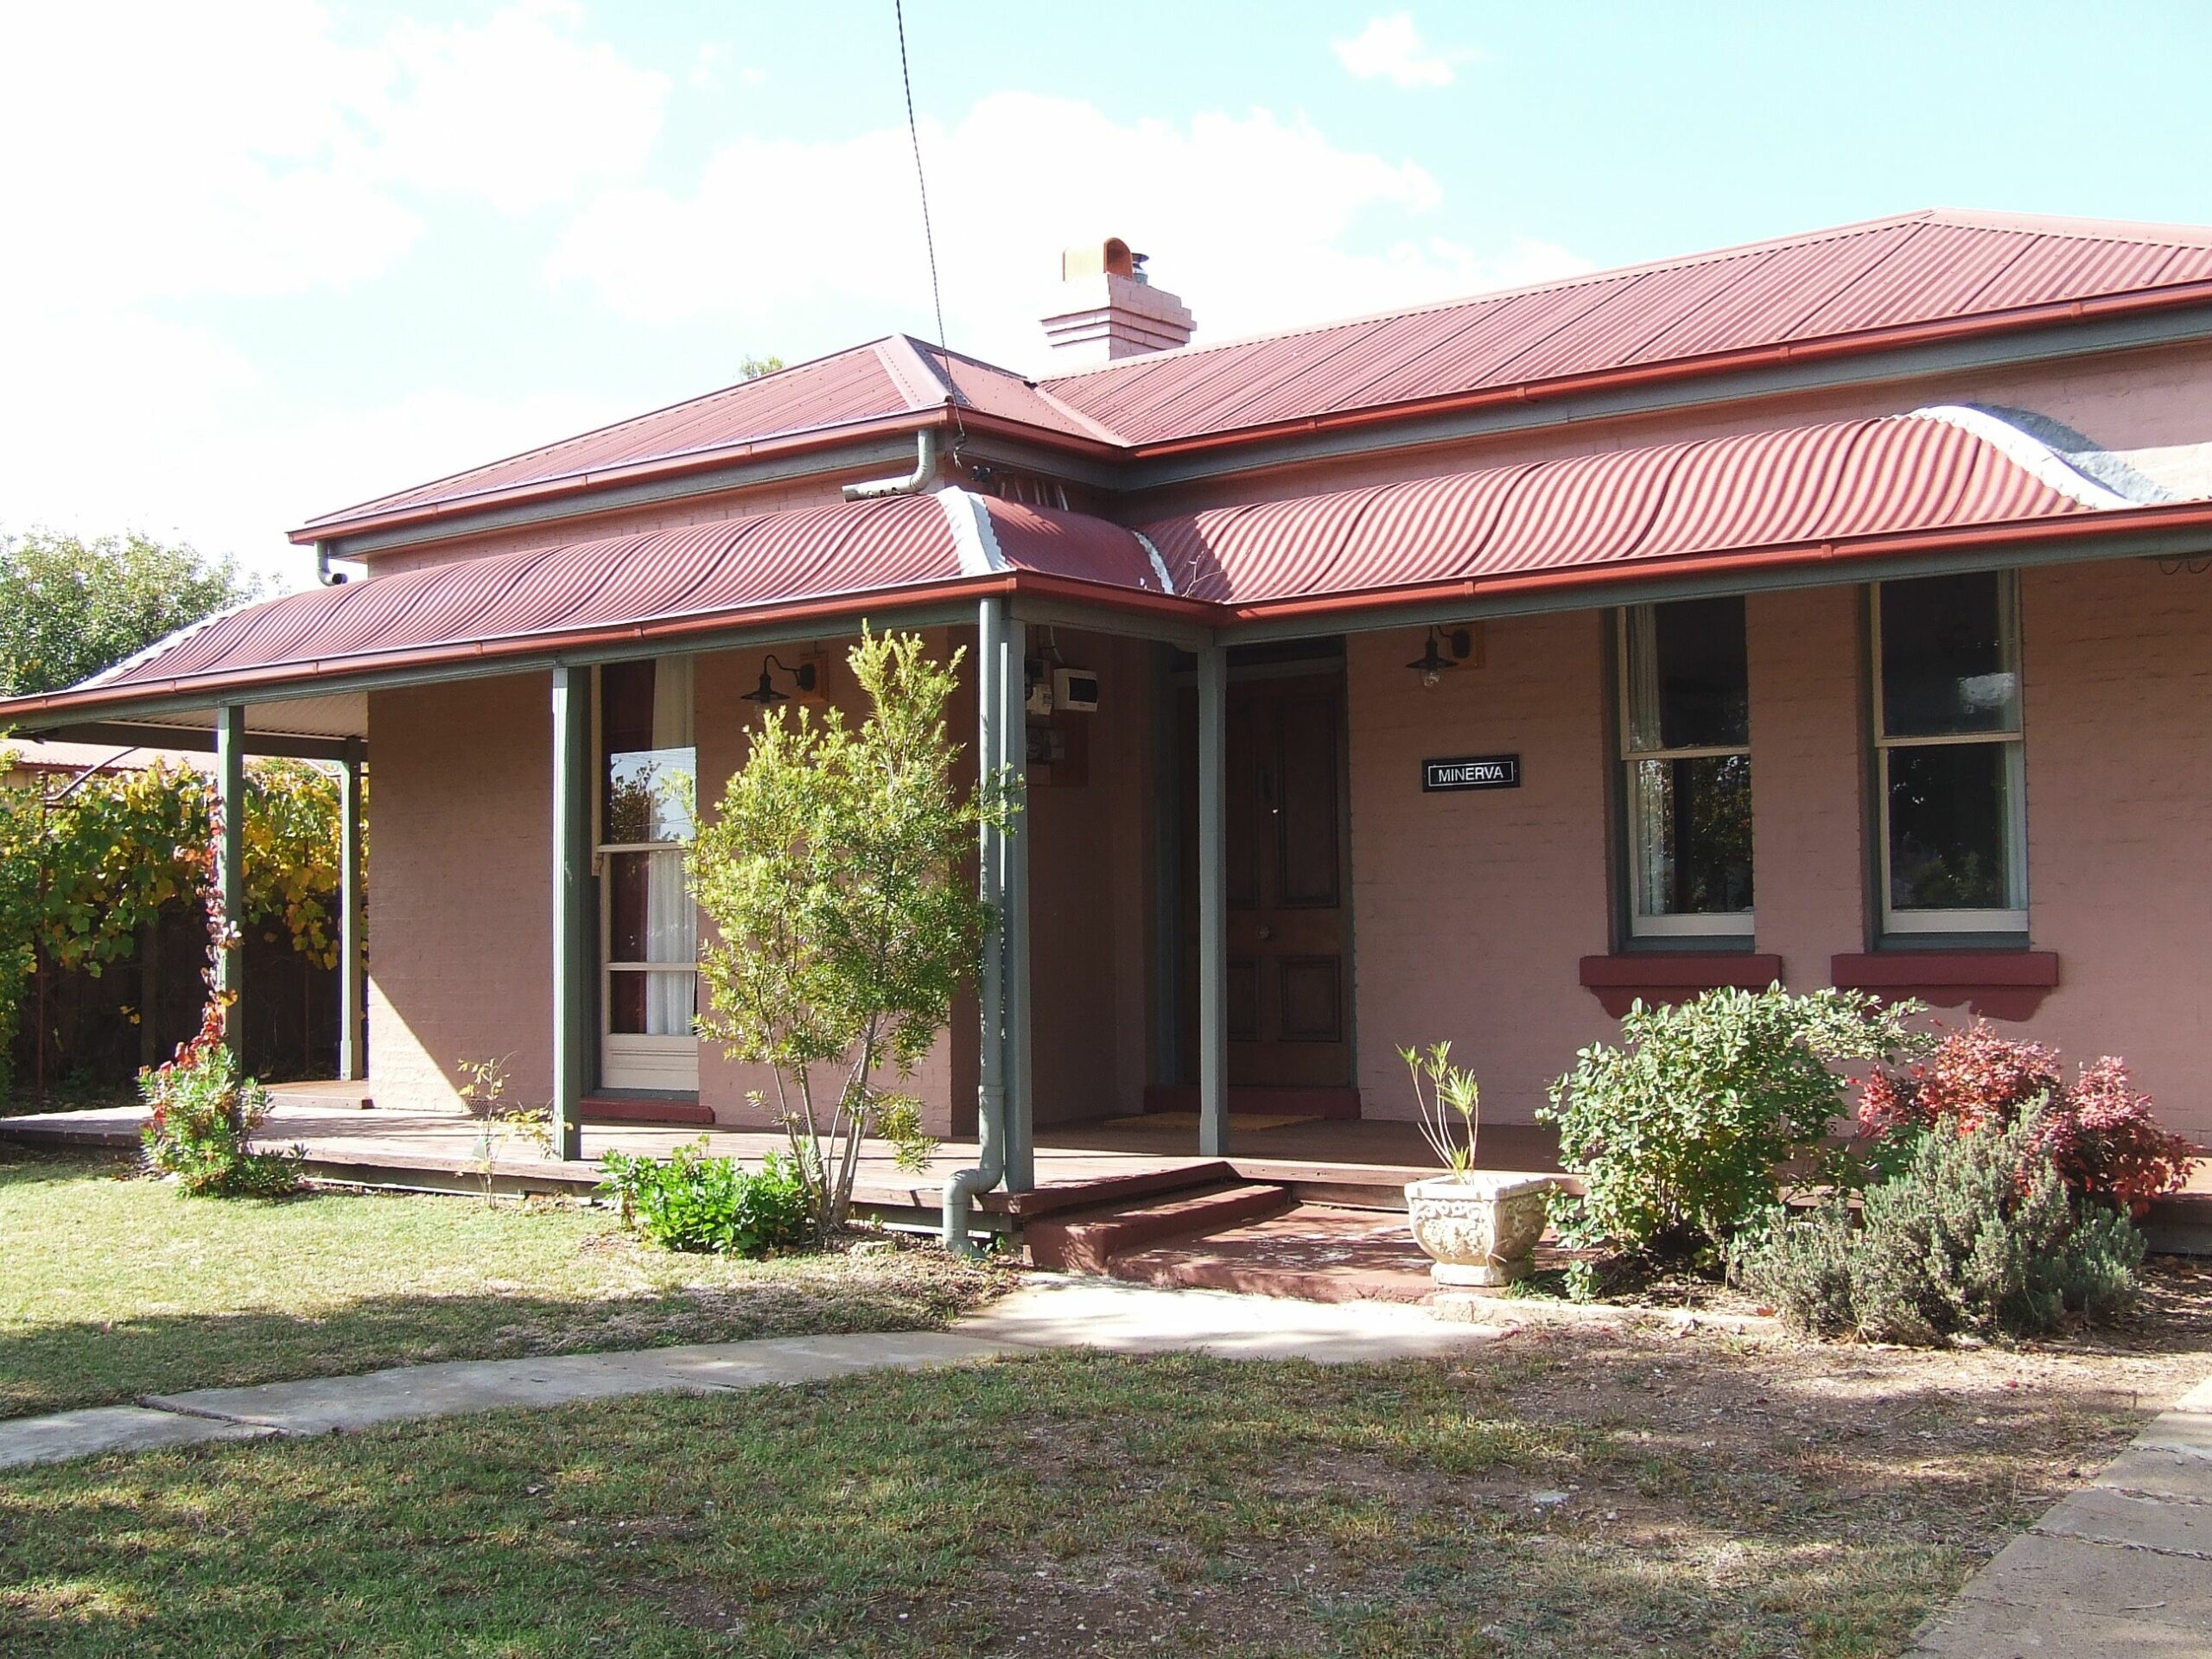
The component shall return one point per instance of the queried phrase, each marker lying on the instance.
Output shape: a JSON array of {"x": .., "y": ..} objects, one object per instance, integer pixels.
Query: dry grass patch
[{"x": 1571, "y": 1490}]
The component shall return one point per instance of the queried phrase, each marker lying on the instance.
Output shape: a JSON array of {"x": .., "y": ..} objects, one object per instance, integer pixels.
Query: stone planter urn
[{"x": 1480, "y": 1228}]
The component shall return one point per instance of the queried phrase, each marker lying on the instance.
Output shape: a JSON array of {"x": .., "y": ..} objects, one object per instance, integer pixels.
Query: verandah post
[
  {"x": 353, "y": 1049},
  {"x": 1213, "y": 903},
  {"x": 571, "y": 903},
  {"x": 1013, "y": 686},
  {"x": 230, "y": 867}
]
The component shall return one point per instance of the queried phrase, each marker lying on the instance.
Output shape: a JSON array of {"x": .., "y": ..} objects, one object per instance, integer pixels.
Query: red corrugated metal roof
[
  {"x": 723, "y": 569},
  {"x": 1802, "y": 487},
  {"x": 886, "y": 379},
  {"x": 1930, "y": 267},
  {"x": 1938, "y": 267},
  {"x": 1588, "y": 517}
]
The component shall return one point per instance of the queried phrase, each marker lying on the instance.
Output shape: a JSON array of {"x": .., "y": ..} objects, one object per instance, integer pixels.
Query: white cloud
[
  {"x": 160, "y": 149},
  {"x": 150, "y": 426},
  {"x": 166, "y": 158},
  {"x": 521, "y": 112},
  {"x": 1254, "y": 220},
  {"x": 1391, "y": 48}
]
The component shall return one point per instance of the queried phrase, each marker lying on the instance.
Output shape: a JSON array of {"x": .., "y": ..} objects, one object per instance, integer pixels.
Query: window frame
[
  {"x": 630, "y": 1062},
  {"x": 1724, "y": 927},
  {"x": 1923, "y": 925}
]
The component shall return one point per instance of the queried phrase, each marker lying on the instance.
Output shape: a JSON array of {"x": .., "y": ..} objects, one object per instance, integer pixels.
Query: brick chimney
[{"x": 1106, "y": 309}]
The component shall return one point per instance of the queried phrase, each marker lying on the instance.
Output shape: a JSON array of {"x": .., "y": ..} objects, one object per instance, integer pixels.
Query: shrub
[
  {"x": 1975, "y": 1234},
  {"x": 690, "y": 1201},
  {"x": 202, "y": 1120},
  {"x": 843, "y": 926},
  {"x": 2097, "y": 1131},
  {"x": 1679, "y": 1134}
]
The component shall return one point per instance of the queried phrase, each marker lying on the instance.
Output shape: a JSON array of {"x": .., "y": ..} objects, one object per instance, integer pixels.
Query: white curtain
[{"x": 671, "y": 929}]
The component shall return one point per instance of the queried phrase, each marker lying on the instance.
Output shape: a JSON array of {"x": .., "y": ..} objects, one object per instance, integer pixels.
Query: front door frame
[{"x": 1177, "y": 1015}]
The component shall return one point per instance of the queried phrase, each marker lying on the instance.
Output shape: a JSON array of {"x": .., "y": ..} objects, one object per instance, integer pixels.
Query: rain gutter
[{"x": 341, "y": 528}]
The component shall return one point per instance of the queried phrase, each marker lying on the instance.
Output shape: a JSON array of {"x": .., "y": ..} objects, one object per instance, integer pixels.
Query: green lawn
[
  {"x": 1598, "y": 1492},
  {"x": 112, "y": 1287}
]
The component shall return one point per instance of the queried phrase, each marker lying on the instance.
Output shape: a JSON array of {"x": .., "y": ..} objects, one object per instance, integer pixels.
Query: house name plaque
[{"x": 1471, "y": 772}]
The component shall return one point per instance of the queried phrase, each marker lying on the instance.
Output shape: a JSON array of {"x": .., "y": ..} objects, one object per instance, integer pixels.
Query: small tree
[
  {"x": 832, "y": 874},
  {"x": 70, "y": 607}
]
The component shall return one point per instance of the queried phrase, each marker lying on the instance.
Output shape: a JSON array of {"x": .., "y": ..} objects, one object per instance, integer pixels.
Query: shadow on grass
[
  {"x": 50, "y": 1367},
  {"x": 1062, "y": 1504}
]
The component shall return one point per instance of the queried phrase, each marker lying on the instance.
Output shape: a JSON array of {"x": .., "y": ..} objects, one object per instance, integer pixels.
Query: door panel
[{"x": 1288, "y": 1018}]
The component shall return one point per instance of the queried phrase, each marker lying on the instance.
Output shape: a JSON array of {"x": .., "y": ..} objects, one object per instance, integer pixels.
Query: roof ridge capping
[{"x": 1970, "y": 218}]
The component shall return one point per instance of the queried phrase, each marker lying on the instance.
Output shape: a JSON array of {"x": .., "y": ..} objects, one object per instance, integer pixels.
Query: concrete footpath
[
  {"x": 1046, "y": 1312},
  {"x": 2121, "y": 1569}
]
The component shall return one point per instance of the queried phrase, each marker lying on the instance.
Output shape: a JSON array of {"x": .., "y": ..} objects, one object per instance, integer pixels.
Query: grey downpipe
[
  {"x": 962, "y": 1186},
  {"x": 323, "y": 573},
  {"x": 914, "y": 483}
]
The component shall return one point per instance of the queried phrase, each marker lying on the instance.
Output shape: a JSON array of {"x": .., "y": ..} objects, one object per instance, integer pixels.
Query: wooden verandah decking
[{"x": 1365, "y": 1163}]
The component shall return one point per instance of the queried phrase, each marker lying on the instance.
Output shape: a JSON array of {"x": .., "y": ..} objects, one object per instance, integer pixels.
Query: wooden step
[
  {"x": 1088, "y": 1241},
  {"x": 1095, "y": 1192},
  {"x": 618, "y": 1109}
]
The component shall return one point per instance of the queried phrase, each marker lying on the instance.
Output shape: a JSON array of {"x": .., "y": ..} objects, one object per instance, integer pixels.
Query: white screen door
[{"x": 648, "y": 956}]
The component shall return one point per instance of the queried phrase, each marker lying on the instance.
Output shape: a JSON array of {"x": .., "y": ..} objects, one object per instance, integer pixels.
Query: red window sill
[
  {"x": 1666, "y": 976},
  {"x": 1997, "y": 984}
]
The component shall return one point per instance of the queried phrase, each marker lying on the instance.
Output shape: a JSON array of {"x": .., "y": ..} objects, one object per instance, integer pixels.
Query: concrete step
[{"x": 1089, "y": 1241}]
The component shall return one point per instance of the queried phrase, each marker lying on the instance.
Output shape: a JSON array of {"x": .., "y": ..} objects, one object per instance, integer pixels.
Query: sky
[{"x": 260, "y": 259}]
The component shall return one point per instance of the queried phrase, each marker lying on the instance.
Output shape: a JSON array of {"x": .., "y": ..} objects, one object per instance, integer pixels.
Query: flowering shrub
[
  {"x": 2098, "y": 1132},
  {"x": 202, "y": 1121}
]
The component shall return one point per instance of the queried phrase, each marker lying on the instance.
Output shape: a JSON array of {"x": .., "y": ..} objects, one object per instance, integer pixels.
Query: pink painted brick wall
[
  {"x": 1807, "y": 780},
  {"x": 1470, "y": 911},
  {"x": 2118, "y": 663},
  {"x": 945, "y": 1079},
  {"x": 461, "y": 910}
]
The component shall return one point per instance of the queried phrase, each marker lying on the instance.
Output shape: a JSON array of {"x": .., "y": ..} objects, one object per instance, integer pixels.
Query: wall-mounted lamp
[
  {"x": 1432, "y": 663},
  {"x": 765, "y": 694}
]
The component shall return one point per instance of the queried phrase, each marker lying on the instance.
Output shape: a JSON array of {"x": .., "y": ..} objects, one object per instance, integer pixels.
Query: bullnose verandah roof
[{"x": 1957, "y": 476}]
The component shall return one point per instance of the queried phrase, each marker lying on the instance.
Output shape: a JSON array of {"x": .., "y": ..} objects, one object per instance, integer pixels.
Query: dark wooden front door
[{"x": 1289, "y": 986}]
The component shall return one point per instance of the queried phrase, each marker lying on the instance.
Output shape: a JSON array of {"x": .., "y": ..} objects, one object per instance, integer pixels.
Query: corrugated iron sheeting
[
  {"x": 1071, "y": 544},
  {"x": 1921, "y": 267},
  {"x": 1777, "y": 489},
  {"x": 1793, "y": 488},
  {"x": 700, "y": 569}
]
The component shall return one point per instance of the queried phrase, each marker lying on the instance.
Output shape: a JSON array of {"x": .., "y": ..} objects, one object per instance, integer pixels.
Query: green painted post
[
  {"x": 571, "y": 903},
  {"x": 1213, "y": 903},
  {"x": 353, "y": 1045},
  {"x": 1013, "y": 740},
  {"x": 230, "y": 866}
]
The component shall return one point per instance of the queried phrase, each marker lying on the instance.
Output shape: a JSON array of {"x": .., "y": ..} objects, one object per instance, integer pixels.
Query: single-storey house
[{"x": 1835, "y": 610}]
